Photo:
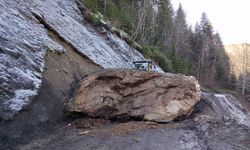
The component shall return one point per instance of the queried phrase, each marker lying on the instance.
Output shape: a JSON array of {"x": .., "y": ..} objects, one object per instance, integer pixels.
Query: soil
[
  {"x": 140, "y": 135},
  {"x": 47, "y": 111}
]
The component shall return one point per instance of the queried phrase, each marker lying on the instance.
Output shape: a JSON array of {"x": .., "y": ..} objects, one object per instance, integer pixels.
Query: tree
[
  {"x": 207, "y": 52},
  {"x": 166, "y": 25},
  {"x": 182, "y": 36},
  {"x": 245, "y": 66},
  {"x": 223, "y": 74},
  {"x": 181, "y": 32},
  {"x": 196, "y": 43},
  {"x": 145, "y": 25}
]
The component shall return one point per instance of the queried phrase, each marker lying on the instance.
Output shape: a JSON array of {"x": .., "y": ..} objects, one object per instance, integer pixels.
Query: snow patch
[
  {"x": 27, "y": 75},
  {"x": 22, "y": 98},
  {"x": 24, "y": 43}
]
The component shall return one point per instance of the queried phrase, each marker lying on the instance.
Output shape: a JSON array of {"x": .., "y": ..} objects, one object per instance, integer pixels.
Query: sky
[{"x": 231, "y": 18}]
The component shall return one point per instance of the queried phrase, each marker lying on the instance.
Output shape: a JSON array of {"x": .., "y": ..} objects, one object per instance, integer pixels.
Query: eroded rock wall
[{"x": 25, "y": 40}]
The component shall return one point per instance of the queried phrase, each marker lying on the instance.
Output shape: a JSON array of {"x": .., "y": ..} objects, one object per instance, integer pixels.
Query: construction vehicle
[{"x": 146, "y": 65}]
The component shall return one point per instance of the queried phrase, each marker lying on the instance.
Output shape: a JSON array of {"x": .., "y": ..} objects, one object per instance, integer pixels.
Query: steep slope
[
  {"x": 21, "y": 56},
  {"x": 46, "y": 47},
  {"x": 47, "y": 110},
  {"x": 25, "y": 42}
]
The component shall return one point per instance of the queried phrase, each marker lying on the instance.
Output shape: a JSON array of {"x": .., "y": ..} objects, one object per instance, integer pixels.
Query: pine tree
[
  {"x": 197, "y": 43},
  {"x": 182, "y": 42},
  {"x": 222, "y": 62},
  {"x": 166, "y": 25},
  {"x": 207, "y": 53}
]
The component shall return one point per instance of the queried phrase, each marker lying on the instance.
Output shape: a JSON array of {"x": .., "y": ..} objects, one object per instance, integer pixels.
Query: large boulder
[{"x": 152, "y": 96}]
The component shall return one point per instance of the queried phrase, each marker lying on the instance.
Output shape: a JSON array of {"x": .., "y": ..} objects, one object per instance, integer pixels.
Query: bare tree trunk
[
  {"x": 105, "y": 6},
  {"x": 244, "y": 69},
  {"x": 213, "y": 70},
  {"x": 141, "y": 19},
  {"x": 199, "y": 70}
]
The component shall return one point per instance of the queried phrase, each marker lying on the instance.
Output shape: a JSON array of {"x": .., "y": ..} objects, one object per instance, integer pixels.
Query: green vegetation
[
  {"x": 91, "y": 4},
  {"x": 112, "y": 11},
  {"x": 168, "y": 62},
  {"x": 97, "y": 17},
  {"x": 156, "y": 55},
  {"x": 182, "y": 65}
]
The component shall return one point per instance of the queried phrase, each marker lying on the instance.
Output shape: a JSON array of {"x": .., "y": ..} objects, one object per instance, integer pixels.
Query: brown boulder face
[{"x": 152, "y": 96}]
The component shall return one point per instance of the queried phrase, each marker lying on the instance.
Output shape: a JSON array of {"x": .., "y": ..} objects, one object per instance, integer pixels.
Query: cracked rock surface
[{"x": 152, "y": 96}]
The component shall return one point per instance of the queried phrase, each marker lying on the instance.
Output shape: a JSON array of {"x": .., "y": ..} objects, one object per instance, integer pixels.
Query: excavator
[{"x": 146, "y": 65}]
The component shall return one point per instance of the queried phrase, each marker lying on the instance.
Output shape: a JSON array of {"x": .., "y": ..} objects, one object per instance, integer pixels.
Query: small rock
[
  {"x": 62, "y": 13},
  {"x": 153, "y": 127},
  {"x": 151, "y": 123},
  {"x": 102, "y": 30},
  {"x": 65, "y": 70},
  {"x": 136, "y": 140},
  {"x": 83, "y": 132},
  {"x": 196, "y": 119}
]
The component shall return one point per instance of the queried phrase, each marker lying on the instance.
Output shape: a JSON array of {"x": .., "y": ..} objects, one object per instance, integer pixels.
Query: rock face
[
  {"x": 25, "y": 28},
  {"x": 131, "y": 93}
]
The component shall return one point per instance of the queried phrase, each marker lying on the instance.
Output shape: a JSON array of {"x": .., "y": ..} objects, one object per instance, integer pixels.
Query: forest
[{"x": 169, "y": 40}]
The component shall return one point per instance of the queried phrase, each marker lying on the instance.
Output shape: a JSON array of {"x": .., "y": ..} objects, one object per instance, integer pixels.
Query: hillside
[
  {"x": 236, "y": 53},
  {"x": 105, "y": 51}
]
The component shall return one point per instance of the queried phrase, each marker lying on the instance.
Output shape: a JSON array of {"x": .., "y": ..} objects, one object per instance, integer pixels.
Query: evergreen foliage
[{"x": 154, "y": 53}]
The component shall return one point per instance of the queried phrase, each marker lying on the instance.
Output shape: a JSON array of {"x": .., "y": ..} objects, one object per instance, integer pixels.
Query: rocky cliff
[
  {"x": 32, "y": 29},
  {"x": 46, "y": 48}
]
